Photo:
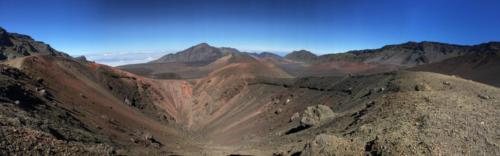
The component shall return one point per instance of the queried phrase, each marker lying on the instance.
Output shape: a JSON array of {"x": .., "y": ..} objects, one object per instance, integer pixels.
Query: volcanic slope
[
  {"x": 14, "y": 45},
  {"x": 195, "y": 62},
  {"x": 385, "y": 59},
  {"x": 107, "y": 101},
  {"x": 393, "y": 113},
  {"x": 33, "y": 123},
  {"x": 230, "y": 112},
  {"x": 482, "y": 66}
]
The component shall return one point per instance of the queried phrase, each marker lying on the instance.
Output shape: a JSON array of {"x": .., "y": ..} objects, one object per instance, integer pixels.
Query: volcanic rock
[
  {"x": 295, "y": 116},
  {"x": 316, "y": 115},
  {"x": 13, "y": 45}
]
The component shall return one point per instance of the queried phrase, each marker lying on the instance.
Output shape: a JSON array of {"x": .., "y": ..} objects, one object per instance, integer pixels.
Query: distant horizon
[
  {"x": 134, "y": 57},
  {"x": 320, "y": 26},
  {"x": 278, "y": 52}
]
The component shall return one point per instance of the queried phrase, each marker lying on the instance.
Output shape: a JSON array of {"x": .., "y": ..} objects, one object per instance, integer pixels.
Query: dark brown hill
[
  {"x": 407, "y": 54},
  {"x": 14, "y": 45},
  {"x": 482, "y": 65},
  {"x": 200, "y": 54},
  {"x": 189, "y": 70},
  {"x": 302, "y": 56}
]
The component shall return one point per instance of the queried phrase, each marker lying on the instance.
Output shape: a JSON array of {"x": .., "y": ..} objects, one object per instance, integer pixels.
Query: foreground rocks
[
  {"x": 331, "y": 145},
  {"x": 315, "y": 115}
]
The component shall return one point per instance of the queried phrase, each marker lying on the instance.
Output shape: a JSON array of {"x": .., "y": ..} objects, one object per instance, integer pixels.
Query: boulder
[
  {"x": 484, "y": 97},
  {"x": 446, "y": 83},
  {"x": 278, "y": 111},
  {"x": 151, "y": 141},
  {"x": 127, "y": 102},
  {"x": 316, "y": 115},
  {"x": 148, "y": 136},
  {"x": 294, "y": 117},
  {"x": 422, "y": 87},
  {"x": 43, "y": 93}
]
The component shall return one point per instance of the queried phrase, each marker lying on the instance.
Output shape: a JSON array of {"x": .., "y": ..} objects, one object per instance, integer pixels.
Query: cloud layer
[{"x": 123, "y": 58}]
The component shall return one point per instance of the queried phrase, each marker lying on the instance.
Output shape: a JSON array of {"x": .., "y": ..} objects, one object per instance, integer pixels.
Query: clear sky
[{"x": 321, "y": 26}]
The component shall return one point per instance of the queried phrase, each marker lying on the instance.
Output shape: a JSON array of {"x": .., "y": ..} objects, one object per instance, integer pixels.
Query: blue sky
[{"x": 98, "y": 27}]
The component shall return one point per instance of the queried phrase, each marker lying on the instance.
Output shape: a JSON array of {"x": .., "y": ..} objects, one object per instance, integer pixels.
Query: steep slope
[
  {"x": 392, "y": 113},
  {"x": 33, "y": 123},
  {"x": 14, "y": 45},
  {"x": 407, "y": 54},
  {"x": 389, "y": 114},
  {"x": 219, "y": 87},
  {"x": 483, "y": 65},
  {"x": 108, "y": 102}
]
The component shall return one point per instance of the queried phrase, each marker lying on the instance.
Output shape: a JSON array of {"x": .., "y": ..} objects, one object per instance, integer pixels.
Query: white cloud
[{"x": 122, "y": 58}]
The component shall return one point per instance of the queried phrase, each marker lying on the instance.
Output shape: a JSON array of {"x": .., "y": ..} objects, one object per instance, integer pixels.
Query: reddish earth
[
  {"x": 246, "y": 108},
  {"x": 219, "y": 101}
]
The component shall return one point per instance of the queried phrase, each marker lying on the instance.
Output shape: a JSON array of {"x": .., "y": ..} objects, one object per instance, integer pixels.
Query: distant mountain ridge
[
  {"x": 407, "y": 54},
  {"x": 482, "y": 65},
  {"x": 265, "y": 54},
  {"x": 14, "y": 45},
  {"x": 303, "y": 63}
]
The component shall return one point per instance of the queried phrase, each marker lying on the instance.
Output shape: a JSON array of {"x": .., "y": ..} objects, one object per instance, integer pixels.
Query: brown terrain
[
  {"x": 219, "y": 101},
  {"x": 482, "y": 66}
]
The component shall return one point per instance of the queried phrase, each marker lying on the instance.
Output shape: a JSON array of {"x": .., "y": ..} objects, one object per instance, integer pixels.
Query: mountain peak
[
  {"x": 202, "y": 45},
  {"x": 200, "y": 53},
  {"x": 302, "y": 52},
  {"x": 301, "y": 56}
]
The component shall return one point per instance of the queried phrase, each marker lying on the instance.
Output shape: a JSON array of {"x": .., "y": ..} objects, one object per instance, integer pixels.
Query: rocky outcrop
[
  {"x": 14, "y": 45},
  {"x": 4, "y": 38},
  {"x": 316, "y": 115}
]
